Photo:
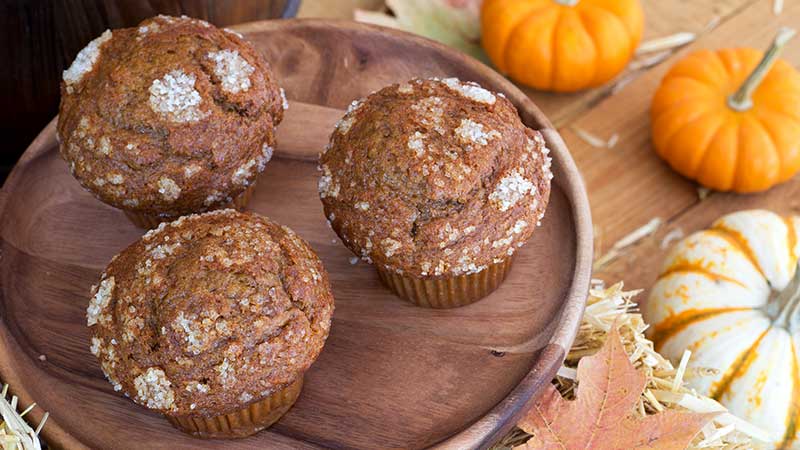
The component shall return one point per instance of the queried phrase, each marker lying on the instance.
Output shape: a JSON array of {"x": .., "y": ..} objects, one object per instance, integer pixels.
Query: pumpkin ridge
[
  {"x": 519, "y": 25},
  {"x": 684, "y": 126},
  {"x": 777, "y": 112},
  {"x": 774, "y": 143},
  {"x": 741, "y": 163},
  {"x": 674, "y": 324},
  {"x": 554, "y": 51},
  {"x": 762, "y": 103},
  {"x": 582, "y": 20},
  {"x": 736, "y": 75},
  {"x": 761, "y": 122},
  {"x": 712, "y": 89},
  {"x": 728, "y": 77},
  {"x": 700, "y": 55},
  {"x": 793, "y": 415},
  {"x": 679, "y": 103},
  {"x": 630, "y": 32},
  {"x": 707, "y": 147},
  {"x": 767, "y": 129},
  {"x": 740, "y": 243},
  {"x": 742, "y": 362},
  {"x": 696, "y": 268}
]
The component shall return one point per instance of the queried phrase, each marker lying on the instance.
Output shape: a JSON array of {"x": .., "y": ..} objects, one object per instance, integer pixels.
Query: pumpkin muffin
[
  {"x": 212, "y": 320},
  {"x": 173, "y": 117},
  {"x": 436, "y": 182}
]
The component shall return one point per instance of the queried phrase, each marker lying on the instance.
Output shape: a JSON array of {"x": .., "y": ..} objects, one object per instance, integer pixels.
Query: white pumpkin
[{"x": 731, "y": 295}]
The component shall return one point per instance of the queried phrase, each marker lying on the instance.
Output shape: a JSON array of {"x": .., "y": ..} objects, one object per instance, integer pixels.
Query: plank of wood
[
  {"x": 643, "y": 187},
  {"x": 662, "y": 19}
]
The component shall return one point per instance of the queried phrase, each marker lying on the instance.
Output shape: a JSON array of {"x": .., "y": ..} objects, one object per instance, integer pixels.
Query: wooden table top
[{"x": 628, "y": 184}]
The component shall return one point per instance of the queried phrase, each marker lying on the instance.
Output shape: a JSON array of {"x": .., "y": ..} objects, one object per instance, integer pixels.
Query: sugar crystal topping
[
  {"x": 284, "y": 102},
  {"x": 245, "y": 171},
  {"x": 510, "y": 190},
  {"x": 84, "y": 62},
  {"x": 405, "y": 88},
  {"x": 328, "y": 187},
  {"x": 344, "y": 124},
  {"x": 390, "y": 246},
  {"x": 175, "y": 97},
  {"x": 154, "y": 390},
  {"x": 430, "y": 113},
  {"x": 151, "y": 28},
  {"x": 168, "y": 189},
  {"x": 235, "y": 33},
  {"x": 190, "y": 170},
  {"x": 473, "y": 132},
  {"x": 471, "y": 91},
  {"x": 415, "y": 143},
  {"x": 94, "y": 313},
  {"x": 232, "y": 69},
  {"x": 96, "y": 344},
  {"x": 267, "y": 151}
]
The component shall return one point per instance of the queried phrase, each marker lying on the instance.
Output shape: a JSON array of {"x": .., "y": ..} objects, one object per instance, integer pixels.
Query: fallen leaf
[
  {"x": 455, "y": 23},
  {"x": 600, "y": 417}
]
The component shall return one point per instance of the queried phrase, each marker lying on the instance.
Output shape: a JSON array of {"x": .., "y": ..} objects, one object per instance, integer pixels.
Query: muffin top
[
  {"x": 209, "y": 313},
  {"x": 434, "y": 178},
  {"x": 172, "y": 117}
]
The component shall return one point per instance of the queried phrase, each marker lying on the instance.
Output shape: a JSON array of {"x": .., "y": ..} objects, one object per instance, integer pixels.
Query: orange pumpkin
[
  {"x": 730, "y": 119},
  {"x": 561, "y": 45}
]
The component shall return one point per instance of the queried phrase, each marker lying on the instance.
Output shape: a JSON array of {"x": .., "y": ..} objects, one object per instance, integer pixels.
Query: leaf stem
[{"x": 742, "y": 99}]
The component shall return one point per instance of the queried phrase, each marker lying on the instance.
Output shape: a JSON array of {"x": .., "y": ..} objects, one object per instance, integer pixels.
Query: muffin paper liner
[
  {"x": 446, "y": 292},
  {"x": 153, "y": 220},
  {"x": 245, "y": 422}
]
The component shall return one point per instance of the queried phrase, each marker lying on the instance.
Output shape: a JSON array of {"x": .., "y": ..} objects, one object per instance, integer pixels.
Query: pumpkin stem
[
  {"x": 567, "y": 2},
  {"x": 742, "y": 99},
  {"x": 789, "y": 301}
]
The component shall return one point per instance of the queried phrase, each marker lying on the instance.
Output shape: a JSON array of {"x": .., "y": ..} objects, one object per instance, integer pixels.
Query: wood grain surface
[{"x": 391, "y": 374}]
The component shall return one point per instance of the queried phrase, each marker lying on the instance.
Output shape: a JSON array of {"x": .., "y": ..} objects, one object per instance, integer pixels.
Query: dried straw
[
  {"x": 594, "y": 140},
  {"x": 666, "y": 385},
  {"x": 666, "y": 43},
  {"x": 15, "y": 433},
  {"x": 633, "y": 238},
  {"x": 777, "y": 7},
  {"x": 674, "y": 235}
]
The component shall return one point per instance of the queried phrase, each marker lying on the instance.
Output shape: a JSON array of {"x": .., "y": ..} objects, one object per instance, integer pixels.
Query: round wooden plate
[{"x": 391, "y": 374}]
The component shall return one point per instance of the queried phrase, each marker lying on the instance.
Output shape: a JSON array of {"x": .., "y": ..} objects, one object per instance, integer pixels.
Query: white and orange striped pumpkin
[{"x": 731, "y": 294}]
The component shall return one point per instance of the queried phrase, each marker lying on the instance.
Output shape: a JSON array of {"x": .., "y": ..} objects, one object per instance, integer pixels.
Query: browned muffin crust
[
  {"x": 172, "y": 117},
  {"x": 434, "y": 178},
  {"x": 209, "y": 313}
]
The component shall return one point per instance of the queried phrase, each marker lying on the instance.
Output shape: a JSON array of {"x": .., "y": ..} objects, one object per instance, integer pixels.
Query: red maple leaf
[{"x": 601, "y": 416}]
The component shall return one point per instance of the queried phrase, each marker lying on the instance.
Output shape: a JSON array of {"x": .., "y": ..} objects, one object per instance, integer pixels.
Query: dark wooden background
[{"x": 40, "y": 38}]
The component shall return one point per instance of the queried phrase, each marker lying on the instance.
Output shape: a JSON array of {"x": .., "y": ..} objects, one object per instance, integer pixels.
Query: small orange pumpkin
[
  {"x": 730, "y": 119},
  {"x": 561, "y": 45}
]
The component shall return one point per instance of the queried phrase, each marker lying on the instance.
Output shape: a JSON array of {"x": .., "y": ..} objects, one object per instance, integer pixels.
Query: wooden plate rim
[{"x": 500, "y": 419}]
